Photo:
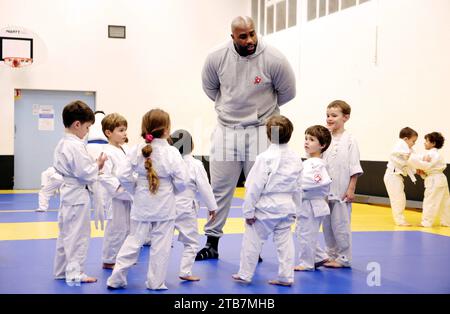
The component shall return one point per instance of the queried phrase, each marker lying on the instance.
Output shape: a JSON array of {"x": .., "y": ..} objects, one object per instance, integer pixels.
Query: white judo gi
[
  {"x": 118, "y": 203},
  {"x": 397, "y": 168},
  {"x": 436, "y": 200},
  {"x": 51, "y": 181},
  {"x": 342, "y": 159},
  {"x": 273, "y": 196},
  {"x": 187, "y": 207},
  {"x": 156, "y": 210},
  {"x": 316, "y": 186},
  {"x": 78, "y": 169},
  {"x": 96, "y": 142}
]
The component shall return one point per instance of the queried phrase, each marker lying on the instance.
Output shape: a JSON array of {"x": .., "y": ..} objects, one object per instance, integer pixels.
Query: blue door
[{"x": 38, "y": 128}]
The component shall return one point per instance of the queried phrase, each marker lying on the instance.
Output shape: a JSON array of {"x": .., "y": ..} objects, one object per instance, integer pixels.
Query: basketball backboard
[{"x": 20, "y": 47}]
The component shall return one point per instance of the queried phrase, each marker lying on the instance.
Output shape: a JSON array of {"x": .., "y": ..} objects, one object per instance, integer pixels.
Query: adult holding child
[{"x": 248, "y": 80}]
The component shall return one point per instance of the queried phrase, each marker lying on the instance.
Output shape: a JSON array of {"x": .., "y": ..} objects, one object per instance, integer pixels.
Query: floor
[{"x": 386, "y": 259}]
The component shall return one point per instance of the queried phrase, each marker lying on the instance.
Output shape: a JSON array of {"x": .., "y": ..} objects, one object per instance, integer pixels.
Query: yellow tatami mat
[{"x": 364, "y": 218}]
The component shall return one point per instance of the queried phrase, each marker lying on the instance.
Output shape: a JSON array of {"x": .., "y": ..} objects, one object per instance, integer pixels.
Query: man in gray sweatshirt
[{"x": 248, "y": 80}]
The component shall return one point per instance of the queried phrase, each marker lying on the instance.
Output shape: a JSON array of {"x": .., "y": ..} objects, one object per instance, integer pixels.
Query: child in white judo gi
[
  {"x": 161, "y": 174},
  {"x": 78, "y": 169},
  {"x": 397, "y": 168},
  {"x": 316, "y": 186},
  {"x": 436, "y": 200},
  {"x": 50, "y": 183},
  {"x": 117, "y": 200},
  {"x": 272, "y": 198},
  {"x": 342, "y": 158},
  {"x": 187, "y": 203}
]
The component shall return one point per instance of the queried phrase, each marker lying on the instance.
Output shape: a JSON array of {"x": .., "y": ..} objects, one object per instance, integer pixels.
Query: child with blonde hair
[
  {"x": 342, "y": 158},
  {"x": 161, "y": 174}
]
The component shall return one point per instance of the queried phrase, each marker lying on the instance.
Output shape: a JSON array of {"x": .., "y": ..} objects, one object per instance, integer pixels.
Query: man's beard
[{"x": 242, "y": 50}]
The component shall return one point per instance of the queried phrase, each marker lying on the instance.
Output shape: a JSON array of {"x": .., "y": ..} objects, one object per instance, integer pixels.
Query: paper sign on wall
[
  {"x": 35, "y": 109},
  {"x": 46, "y": 118}
]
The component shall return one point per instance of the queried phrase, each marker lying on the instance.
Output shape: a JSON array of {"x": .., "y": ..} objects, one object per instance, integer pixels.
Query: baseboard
[
  {"x": 378, "y": 200},
  {"x": 6, "y": 172}
]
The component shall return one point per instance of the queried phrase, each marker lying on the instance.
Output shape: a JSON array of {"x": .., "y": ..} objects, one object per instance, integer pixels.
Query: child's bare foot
[
  {"x": 190, "y": 278},
  {"x": 280, "y": 283},
  {"x": 301, "y": 268},
  {"x": 88, "y": 279},
  {"x": 108, "y": 266},
  {"x": 238, "y": 278},
  {"x": 333, "y": 264},
  {"x": 405, "y": 224}
]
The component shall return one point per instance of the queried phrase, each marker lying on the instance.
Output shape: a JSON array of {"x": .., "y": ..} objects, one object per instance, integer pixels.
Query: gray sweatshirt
[{"x": 247, "y": 90}]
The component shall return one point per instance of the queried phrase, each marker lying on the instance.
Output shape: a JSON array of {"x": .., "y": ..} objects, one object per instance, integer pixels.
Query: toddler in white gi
[
  {"x": 436, "y": 200},
  {"x": 342, "y": 158},
  {"x": 161, "y": 174},
  {"x": 78, "y": 169},
  {"x": 187, "y": 203},
  {"x": 117, "y": 200},
  {"x": 316, "y": 186},
  {"x": 397, "y": 168},
  {"x": 272, "y": 198}
]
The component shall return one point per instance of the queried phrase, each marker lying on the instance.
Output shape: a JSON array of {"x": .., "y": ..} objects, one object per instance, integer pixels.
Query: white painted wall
[
  {"x": 404, "y": 80},
  {"x": 157, "y": 65}
]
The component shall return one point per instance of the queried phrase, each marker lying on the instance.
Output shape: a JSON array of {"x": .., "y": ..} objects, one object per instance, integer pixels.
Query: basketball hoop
[{"x": 17, "y": 62}]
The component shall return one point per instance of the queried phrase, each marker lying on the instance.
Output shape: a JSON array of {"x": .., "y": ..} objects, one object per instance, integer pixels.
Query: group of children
[
  {"x": 154, "y": 188},
  {"x": 430, "y": 165},
  {"x": 147, "y": 193}
]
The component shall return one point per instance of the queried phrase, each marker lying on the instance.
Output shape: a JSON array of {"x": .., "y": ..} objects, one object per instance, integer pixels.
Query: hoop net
[{"x": 17, "y": 62}]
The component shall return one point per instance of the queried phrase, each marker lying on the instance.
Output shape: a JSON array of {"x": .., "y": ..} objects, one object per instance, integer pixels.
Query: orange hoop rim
[{"x": 17, "y": 62}]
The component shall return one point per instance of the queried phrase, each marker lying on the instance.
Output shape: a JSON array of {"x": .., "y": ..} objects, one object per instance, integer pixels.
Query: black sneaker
[
  {"x": 207, "y": 253},
  {"x": 260, "y": 259}
]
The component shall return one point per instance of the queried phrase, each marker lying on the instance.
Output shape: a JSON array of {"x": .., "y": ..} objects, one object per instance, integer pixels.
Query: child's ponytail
[
  {"x": 155, "y": 123},
  {"x": 153, "y": 180}
]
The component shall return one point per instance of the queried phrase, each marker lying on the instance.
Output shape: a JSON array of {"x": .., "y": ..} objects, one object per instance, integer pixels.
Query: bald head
[
  {"x": 241, "y": 22},
  {"x": 244, "y": 35}
]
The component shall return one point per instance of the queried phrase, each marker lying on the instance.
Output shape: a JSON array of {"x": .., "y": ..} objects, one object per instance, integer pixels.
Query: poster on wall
[
  {"x": 46, "y": 118},
  {"x": 35, "y": 109}
]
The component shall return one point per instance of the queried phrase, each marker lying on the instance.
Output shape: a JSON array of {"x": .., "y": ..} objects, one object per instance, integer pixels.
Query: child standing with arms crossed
[
  {"x": 316, "y": 187},
  {"x": 117, "y": 200},
  {"x": 161, "y": 174},
  {"x": 342, "y": 158},
  {"x": 397, "y": 168},
  {"x": 187, "y": 203},
  {"x": 436, "y": 200},
  {"x": 78, "y": 169},
  {"x": 272, "y": 198}
]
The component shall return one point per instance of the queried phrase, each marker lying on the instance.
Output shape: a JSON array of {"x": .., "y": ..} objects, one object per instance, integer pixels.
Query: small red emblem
[
  {"x": 317, "y": 177},
  {"x": 257, "y": 80}
]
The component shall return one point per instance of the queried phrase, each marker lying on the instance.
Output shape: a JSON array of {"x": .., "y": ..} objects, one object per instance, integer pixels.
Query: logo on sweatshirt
[
  {"x": 257, "y": 80},
  {"x": 317, "y": 177}
]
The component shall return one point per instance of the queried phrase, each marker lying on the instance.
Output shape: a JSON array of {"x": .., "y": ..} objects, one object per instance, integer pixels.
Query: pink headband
[{"x": 148, "y": 138}]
